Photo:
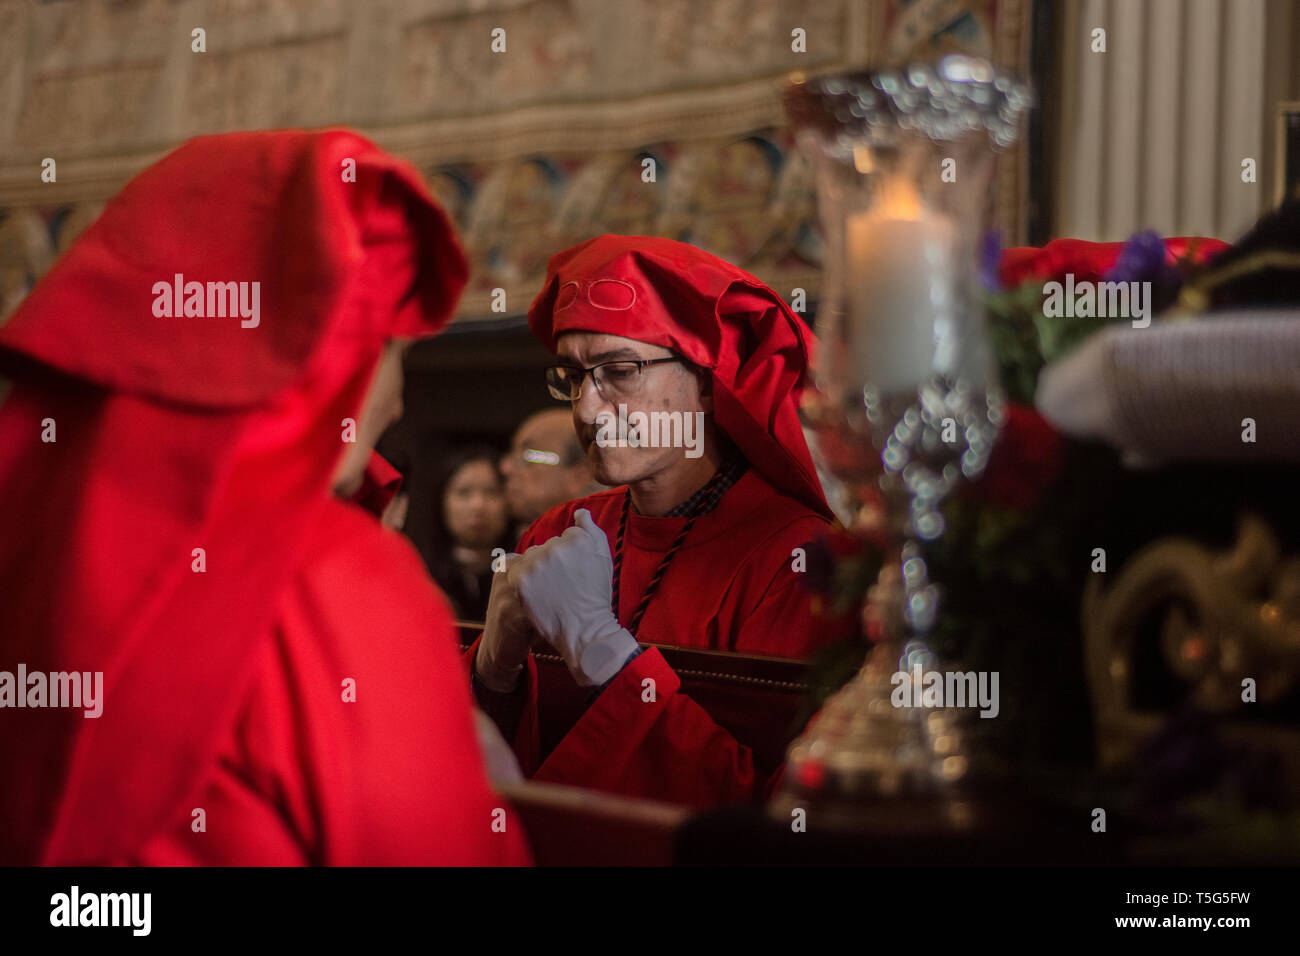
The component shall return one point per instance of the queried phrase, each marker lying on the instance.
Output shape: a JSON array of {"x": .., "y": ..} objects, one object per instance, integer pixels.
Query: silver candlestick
[{"x": 906, "y": 383}]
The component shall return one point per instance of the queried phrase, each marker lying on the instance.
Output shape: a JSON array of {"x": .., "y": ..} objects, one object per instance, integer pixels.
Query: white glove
[
  {"x": 566, "y": 585},
  {"x": 507, "y": 636}
]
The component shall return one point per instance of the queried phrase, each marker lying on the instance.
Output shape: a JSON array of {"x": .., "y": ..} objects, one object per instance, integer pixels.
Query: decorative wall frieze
[{"x": 530, "y": 151}]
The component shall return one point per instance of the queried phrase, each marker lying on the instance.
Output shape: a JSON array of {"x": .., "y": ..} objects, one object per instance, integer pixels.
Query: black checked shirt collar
[{"x": 707, "y": 498}]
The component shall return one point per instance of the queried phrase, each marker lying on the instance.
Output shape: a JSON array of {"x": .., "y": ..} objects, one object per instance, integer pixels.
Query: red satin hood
[
  {"x": 718, "y": 316},
  {"x": 271, "y": 207}
]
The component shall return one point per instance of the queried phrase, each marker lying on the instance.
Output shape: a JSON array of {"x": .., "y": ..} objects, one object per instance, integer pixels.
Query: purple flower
[
  {"x": 1141, "y": 259},
  {"x": 990, "y": 254}
]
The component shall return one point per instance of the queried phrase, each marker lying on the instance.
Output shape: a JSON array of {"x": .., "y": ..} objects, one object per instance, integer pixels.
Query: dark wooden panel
[
  {"x": 756, "y": 699},
  {"x": 570, "y": 826}
]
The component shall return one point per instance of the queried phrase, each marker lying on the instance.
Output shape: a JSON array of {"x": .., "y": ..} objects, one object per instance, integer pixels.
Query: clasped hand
[{"x": 560, "y": 590}]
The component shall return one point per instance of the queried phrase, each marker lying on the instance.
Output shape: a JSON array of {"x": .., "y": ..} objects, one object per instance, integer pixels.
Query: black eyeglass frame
[{"x": 641, "y": 366}]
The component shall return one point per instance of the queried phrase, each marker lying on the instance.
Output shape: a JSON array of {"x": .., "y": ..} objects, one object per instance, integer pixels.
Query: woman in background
[{"x": 469, "y": 522}]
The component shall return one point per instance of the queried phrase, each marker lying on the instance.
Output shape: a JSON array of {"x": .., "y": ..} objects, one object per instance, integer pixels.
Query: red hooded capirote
[
  {"x": 711, "y": 313},
  {"x": 173, "y": 527}
]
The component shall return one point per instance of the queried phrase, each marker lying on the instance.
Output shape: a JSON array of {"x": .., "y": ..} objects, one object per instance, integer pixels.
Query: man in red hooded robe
[
  {"x": 279, "y": 682},
  {"x": 696, "y": 547}
]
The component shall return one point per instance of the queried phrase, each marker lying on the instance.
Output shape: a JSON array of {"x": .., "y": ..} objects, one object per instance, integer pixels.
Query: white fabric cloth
[{"x": 1181, "y": 390}]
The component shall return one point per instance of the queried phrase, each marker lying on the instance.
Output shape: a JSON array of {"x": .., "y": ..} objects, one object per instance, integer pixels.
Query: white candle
[{"x": 900, "y": 276}]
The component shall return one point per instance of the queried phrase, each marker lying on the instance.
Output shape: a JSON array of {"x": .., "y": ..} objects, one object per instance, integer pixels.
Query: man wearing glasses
[
  {"x": 545, "y": 467},
  {"x": 682, "y": 373}
]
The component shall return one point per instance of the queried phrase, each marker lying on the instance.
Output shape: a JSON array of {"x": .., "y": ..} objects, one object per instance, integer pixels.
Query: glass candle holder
[{"x": 906, "y": 399}]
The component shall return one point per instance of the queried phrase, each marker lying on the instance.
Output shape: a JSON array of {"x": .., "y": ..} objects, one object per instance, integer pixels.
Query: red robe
[
  {"x": 380, "y": 484},
  {"x": 732, "y": 587},
  {"x": 178, "y": 534},
  {"x": 394, "y": 778}
]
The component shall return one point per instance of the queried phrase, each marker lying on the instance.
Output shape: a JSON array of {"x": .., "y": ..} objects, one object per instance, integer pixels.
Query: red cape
[{"x": 183, "y": 433}]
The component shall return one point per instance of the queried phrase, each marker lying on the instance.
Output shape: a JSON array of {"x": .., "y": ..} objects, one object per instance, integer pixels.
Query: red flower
[
  {"x": 1200, "y": 248},
  {"x": 1089, "y": 261},
  {"x": 1026, "y": 460}
]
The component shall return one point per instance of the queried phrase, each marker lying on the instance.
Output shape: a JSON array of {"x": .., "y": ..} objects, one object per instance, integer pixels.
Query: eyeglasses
[
  {"x": 533, "y": 456},
  {"x": 613, "y": 379}
]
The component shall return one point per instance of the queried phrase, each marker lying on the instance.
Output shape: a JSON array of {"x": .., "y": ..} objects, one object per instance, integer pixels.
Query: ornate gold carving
[{"x": 1224, "y": 617}]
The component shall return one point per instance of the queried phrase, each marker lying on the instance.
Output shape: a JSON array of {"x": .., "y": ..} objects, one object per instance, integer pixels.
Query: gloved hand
[
  {"x": 566, "y": 585},
  {"x": 507, "y": 637}
]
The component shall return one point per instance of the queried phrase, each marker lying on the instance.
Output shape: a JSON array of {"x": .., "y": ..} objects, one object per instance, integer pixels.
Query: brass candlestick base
[{"x": 873, "y": 742}]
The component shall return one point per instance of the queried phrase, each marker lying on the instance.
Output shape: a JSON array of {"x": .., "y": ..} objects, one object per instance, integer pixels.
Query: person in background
[
  {"x": 545, "y": 467},
  {"x": 469, "y": 523}
]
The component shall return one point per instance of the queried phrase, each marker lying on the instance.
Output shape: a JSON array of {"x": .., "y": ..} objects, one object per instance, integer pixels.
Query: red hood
[
  {"x": 716, "y": 315},
  {"x": 181, "y": 433}
]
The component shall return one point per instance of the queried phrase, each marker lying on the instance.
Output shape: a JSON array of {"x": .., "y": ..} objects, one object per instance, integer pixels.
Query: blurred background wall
[{"x": 1154, "y": 131}]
